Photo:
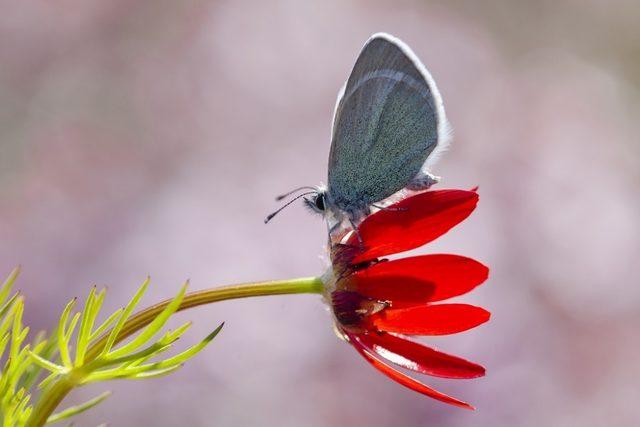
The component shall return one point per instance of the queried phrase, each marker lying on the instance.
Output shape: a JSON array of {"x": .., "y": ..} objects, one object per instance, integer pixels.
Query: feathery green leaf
[{"x": 75, "y": 410}]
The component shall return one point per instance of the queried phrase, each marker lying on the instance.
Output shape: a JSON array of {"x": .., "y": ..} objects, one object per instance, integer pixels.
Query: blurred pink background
[{"x": 150, "y": 137}]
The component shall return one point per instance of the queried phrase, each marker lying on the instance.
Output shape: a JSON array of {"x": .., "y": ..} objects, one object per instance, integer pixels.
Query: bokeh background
[{"x": 150, "y": 137}]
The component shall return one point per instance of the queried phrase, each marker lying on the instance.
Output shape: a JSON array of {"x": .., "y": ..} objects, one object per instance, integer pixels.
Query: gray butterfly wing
[{"x": 388, "y": 120}]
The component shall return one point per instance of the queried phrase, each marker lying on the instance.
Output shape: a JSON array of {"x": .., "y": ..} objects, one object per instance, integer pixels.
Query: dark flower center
[{"x": 351, "y": 307}]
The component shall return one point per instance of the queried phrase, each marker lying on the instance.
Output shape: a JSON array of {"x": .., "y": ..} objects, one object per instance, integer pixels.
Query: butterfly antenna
[
  {"x": 295, "y": 190},
  {"x": 267, "y": 219}
]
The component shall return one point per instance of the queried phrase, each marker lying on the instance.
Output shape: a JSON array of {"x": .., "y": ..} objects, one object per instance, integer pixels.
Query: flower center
[{"x": 351, "y": 307}]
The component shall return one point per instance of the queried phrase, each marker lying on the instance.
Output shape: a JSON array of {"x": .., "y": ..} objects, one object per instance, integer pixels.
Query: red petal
[
  {"x": 419, "y": 358},
  {"x": 441, "y": 319},
  {"x": 420, "y": 279},
  {"x": 403, "y": 379},
  {"x": 413, "y": 222}
]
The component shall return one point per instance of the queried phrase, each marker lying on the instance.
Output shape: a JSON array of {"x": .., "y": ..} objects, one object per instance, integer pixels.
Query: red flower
[{"x": 377, "y": 302}]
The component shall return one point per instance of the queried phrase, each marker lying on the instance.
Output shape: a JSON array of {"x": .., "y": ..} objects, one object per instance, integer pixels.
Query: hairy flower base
[{"x": 377, "y": 303}]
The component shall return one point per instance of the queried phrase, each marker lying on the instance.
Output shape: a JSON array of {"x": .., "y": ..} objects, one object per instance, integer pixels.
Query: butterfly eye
[{"x": 319, "y": 201}]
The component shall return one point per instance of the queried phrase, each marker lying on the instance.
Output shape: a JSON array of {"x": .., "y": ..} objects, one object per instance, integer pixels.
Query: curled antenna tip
[{"x": 287, "y": 204}]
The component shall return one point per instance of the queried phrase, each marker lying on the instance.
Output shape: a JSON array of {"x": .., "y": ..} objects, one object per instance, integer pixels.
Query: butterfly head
[
  {"x": 315, "y": 199},
  {"x": 317, "y": 202}
]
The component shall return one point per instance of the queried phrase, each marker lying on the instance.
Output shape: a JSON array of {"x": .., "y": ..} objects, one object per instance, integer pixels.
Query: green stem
[
  {"x": 50, "y": 400},
  {"x": 53, "y": 395}
]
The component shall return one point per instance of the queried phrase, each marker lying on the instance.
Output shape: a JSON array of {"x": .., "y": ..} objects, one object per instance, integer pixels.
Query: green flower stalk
[{"x": 81, "y": 350}]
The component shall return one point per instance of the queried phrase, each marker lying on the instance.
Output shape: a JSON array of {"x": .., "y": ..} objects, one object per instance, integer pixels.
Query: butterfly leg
[
  {"x": 423, "y": 181},
  {"x": 335, "y": 232},
  {"x": 355, "y": 230},
  {"x": 334, "y": 227}
]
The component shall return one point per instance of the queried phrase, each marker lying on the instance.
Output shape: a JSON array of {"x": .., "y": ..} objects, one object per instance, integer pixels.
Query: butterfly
[{"x": 389, "y": 125}]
